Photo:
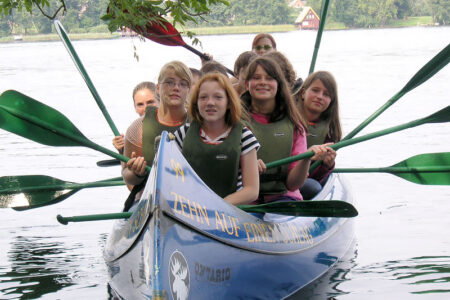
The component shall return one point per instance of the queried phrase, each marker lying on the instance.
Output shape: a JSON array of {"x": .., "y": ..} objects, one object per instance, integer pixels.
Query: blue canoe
[{"x": 185, "y": 242}]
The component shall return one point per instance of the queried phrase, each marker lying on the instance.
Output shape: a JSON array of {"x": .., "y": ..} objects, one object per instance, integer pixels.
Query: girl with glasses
[
  {"x": 220, "y": 149},
  {"x": 280, "y": 129},
  {"x": 263, "y": 43},
  {"x": 173, "y": 87}
]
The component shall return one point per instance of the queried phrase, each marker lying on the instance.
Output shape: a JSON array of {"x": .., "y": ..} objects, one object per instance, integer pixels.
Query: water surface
[{"x": 402, "y": 244}]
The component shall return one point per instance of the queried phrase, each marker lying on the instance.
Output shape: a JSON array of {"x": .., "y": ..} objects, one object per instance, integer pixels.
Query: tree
[
  {"x": 344, "y": 11},
  {"x": 5, "y": 28},
  {"x": 404, "y": 8},
  {"x": 264, "y": 12},
  {"x": 440, "y": 10},
  {"x": 120, "y": 13},
  {"x": 375, "y": 12}
]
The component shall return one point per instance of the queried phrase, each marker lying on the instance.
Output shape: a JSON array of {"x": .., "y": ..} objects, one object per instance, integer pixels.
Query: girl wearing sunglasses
[{"x": 263, "y": 43}]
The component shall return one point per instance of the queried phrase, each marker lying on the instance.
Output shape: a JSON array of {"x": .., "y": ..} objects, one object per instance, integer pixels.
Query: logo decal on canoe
[
  {"x": 278, "y": 134},
  {"x": 179, "y": 276},
  {"x": 221, "y": 157}
]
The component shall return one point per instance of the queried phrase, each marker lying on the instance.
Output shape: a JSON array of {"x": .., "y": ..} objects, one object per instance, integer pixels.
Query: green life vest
[
  {"x": 217, "y": 165},
  {"x": 276, "y": 143},
  {"x": 317, "y": 133},
  {"x": 151, "y": 128}
]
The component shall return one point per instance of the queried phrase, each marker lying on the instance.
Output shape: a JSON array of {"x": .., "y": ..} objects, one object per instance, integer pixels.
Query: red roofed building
[{"x": 307, "y": 19}]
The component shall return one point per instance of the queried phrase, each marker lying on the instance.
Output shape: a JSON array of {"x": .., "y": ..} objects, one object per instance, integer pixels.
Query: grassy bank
[
  {"x": 255, "y": 28},
  {"x": 241, "y": 29},
  {"x": 55, "y": 37},
  {"x": 410, "y": 22}
]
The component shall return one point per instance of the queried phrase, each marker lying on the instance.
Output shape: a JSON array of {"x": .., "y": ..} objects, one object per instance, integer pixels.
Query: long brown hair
[
  {"x": 331, "y": 114},
  {"x": 285, "y": 65},
  {"x": 234, "y": 112},
  {"x": 284, "y": 103}
]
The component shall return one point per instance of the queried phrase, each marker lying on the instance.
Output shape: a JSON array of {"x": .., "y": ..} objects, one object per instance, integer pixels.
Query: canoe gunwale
[{"x": 256, "y": 250}]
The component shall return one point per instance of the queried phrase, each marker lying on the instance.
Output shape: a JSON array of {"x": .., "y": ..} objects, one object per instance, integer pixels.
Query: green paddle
[
  {"x": 426, "y": 72},
  {"x": 25, "y": 116},
  {"x": 31, "y": 191},
  {"x": 323, "y": 17},
  {"x": 66, "y": 41},
  {"x": 39, "y": 190},
  {"x": 325, "y": 208},
  {"x": 38, "y": 122},
  {"x": 439, "y": 117},
  {"x": 108, "y": 163},
  {"x": 429, "y": 168}
]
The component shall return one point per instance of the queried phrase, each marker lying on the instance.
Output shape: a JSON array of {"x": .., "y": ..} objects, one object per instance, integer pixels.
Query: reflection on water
[
  {"x": 39, "y": 265},
  {"x": 423, "y": 275},
  {"x": 328, "y": 286},
  {"x": 369, "y": 65},
  {"x": 427, "y": 277},
  {"x": 52, "y": 266}
]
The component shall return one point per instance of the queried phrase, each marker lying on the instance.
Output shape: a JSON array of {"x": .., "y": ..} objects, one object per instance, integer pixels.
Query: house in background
[{"x": 307, "y": 19}]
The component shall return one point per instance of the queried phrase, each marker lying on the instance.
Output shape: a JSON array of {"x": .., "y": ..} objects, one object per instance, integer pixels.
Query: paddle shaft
[
  {"x": 425, "y": 169},
  {"x": 66, "y": 41},
  {"x": 108, "y": 163},
  {"x": 427, "y": 71},
  {"x": 97, "y": 217},
  {"x": 323, "y": 17},
  {"x": 202, "y": 55},
  {"x": 344, "y": 143},
  {"x": 324, "y": 208}
]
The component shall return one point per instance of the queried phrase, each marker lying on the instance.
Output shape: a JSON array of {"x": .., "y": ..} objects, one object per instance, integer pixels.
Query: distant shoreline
[{"x": 200, "y": 31}]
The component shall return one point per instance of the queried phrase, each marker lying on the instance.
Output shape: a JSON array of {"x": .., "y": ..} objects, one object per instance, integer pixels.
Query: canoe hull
[{"x": 228, "y": 254}]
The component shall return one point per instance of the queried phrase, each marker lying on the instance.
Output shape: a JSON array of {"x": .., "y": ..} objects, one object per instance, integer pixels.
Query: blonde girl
[{"x": 173, "y": 87}]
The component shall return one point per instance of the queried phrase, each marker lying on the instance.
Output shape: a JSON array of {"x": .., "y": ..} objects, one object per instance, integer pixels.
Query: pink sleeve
[{"x": 298, "y": 146}]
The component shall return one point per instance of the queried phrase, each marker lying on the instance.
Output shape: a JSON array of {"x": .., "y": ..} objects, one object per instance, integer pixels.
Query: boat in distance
[{"x": 185, "y": 242}]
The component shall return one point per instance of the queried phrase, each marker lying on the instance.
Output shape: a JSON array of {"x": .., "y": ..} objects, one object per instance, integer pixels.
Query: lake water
[{"x": 402, "y": 233}]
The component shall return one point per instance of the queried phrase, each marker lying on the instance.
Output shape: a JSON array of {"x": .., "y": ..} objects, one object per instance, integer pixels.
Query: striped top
[{"x": 248, "y": 143}]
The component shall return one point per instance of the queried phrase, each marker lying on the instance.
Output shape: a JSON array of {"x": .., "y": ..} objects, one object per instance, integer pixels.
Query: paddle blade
[
  {"x": 327, "y": 208},
  {"x": 15, "y": 191},
  {"x": 416, "y": 164},
  {"x": 161, "y": 32},
  {"x": 439, "y": 117},
  {"x": 432, "y": 67},
  {"x": 17, "y": 112},
  {"x": 32, "y": 191}
]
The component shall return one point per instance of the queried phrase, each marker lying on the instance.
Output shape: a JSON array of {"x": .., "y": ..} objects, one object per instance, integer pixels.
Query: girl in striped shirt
[{"x": 220, "y": 149}]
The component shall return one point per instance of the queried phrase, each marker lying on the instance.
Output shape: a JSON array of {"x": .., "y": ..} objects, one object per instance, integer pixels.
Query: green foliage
[
  {"x": 403, "y": 8},
  {"x": 249, "y": 12},
  {"x": 440, "y": 10},
  {"x": 76, "y": 14},
  {"x": 132, "y": 13},
  {"x": 32, "y": 16}
]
